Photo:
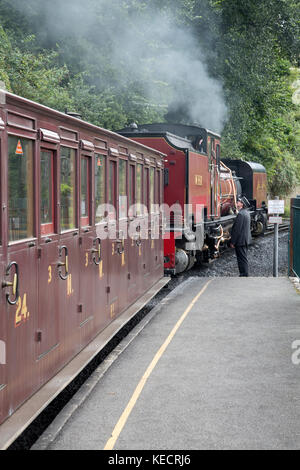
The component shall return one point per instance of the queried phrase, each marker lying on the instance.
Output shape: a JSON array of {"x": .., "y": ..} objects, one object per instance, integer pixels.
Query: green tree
[{"x": 252, "y": 47}]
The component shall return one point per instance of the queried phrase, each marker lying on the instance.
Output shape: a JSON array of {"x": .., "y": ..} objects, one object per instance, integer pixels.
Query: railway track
[{"x": 284, "y": 227}]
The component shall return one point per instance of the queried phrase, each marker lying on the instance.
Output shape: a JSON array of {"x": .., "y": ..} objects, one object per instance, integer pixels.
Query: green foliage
[
  {"x": 34, "y": 76},
  {"x": 252, "y": 47},
  {"x": 5, "y": 49}
]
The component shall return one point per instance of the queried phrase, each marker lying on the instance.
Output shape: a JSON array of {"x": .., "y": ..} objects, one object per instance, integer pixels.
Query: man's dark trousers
[{"x": 242, "y": 260}]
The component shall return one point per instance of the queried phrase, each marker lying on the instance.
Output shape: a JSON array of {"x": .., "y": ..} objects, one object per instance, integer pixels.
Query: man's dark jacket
[{"x": 241, "y": 233}]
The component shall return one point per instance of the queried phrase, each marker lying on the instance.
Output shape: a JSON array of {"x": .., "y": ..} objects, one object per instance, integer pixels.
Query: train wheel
[
  {"x": 192, "y": 261},
  {"x": 181, "y": 260},
  {"x": 260, "y": 225}
]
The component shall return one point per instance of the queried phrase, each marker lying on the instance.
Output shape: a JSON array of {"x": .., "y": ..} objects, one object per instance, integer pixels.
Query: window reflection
[
  {"x": 67, "y": 189},
  {"x": 84, "y": 197},
  {"x": 100, "y": 166},
  {"x": 122, "y": 190},
  {"x": 20, "y": 188},
  {"x": 139, "y": 173},
  {"x": 46, "y": 188}
]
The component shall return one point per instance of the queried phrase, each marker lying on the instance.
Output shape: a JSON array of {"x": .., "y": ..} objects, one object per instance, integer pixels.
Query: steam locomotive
[{"x": 201, "y": 190}]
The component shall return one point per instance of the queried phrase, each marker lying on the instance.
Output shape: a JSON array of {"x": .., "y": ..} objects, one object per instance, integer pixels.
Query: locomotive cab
[{"x": 253, "y": 179}]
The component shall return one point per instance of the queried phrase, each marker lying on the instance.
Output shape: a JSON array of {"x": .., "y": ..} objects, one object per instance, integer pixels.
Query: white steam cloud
[{"x": 162, "y": 57}]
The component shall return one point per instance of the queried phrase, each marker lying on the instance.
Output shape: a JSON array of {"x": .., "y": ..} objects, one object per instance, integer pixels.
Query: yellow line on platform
[{"x": 126, "y": 413}]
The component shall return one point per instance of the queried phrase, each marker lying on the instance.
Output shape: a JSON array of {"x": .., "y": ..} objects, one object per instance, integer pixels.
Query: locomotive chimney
[
  {"x": 133, "y": 127},
  {"x": 73, "y": 114}
]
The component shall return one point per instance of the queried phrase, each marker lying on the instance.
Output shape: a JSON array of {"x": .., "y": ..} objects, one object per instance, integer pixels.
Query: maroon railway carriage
[
  {"x": 196, "y": 177},
  {"x": 62, "y": 282}
]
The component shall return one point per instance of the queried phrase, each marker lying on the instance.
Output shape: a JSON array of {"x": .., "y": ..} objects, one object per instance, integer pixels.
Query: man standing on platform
[{"x": 241, "y": 235}]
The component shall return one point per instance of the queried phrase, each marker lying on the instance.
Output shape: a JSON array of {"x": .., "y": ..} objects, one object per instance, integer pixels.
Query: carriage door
[
  {"x": 142, "y": 179},
  {"x": 3, "y": 312},
  {"x": 147, "y": 241},
  {"x": 122, "y": 243},
  {"x": 48, "y": 280},
  {"x": 156, "y": 230},
  {"x": 87, "y": 244},
  {"x": 3, "y": 376},
  {"x": 100, "y": 252},
  {"x": 21, "y": 268},
  {"x": 112, "y": 245},
  {"x": 68, "y": 249},
  {"x": 132, "y": 237}
]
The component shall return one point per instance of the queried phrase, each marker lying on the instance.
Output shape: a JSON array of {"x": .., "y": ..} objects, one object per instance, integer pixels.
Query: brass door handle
[
  {"x": 60, "y": 264},
  {"x": 97, "y": 250},
  {"x": 14, "y": 284},
  {"x": 122, "y": 243}
]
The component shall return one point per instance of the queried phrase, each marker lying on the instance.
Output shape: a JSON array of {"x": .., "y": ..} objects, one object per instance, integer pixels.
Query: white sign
[
  {"x": 275, "y": 206},
  {"x": 275, "y": 220}
]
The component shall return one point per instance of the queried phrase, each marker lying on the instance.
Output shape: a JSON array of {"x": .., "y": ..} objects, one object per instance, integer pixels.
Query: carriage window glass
[
  {"x": 131, "y": 185},
  {"x": 122, "y": 189},
  {"x": 157, "y": 188},
  {"x": 152, "y": 185},
  {"x": 139, "y": 172},
  {"x": 20, "y": 188},
  {"x": 112, "y": 186},
  {"x": 84, "y": 193},
  {"x": 146, "y": 190},
  {"x": 46, "y": 210},
  {"x": 100, "y": 166},
  {"x": 67, "y": 189}
]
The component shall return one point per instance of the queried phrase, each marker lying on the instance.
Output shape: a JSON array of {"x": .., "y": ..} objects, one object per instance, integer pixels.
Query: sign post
[{"x": 275, "y": 207}]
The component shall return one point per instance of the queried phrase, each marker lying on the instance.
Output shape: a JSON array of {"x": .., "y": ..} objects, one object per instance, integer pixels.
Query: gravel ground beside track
[{"x": 260, "y": 256}]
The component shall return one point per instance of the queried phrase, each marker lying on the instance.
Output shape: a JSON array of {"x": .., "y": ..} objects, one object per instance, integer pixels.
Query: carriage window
[
  {"x": 112, "y": 185},
  {"x": 100, "y": 166},
  {"x": 131, "y": 185},
  {"x": 46, "y": 192},
  {"x": 152, "y": 201},
  {"x": 139, "y": 172},
  {"x": 146, "y": 190},
  {"x": 67, "y": 189},
  {"x": 158, "y": 188},
  {"x": 20, "y": 188},
  {"x": 122, "y": 189},
  {"x": 84, "y": 193}
]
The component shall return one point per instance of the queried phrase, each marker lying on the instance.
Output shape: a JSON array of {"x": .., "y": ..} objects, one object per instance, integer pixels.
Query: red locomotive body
[
  {"x": 63, "y": 281},
  {"x": 204, "y": 188}
]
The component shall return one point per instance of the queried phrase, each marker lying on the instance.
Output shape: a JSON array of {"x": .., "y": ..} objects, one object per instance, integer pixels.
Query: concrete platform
[
  {"x": 25, "y": 415},
  {"x": 219, "y": 373}
]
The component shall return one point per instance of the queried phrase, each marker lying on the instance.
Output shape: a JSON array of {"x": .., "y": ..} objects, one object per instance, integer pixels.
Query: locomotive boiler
[{"x": 200, "y": 191}]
